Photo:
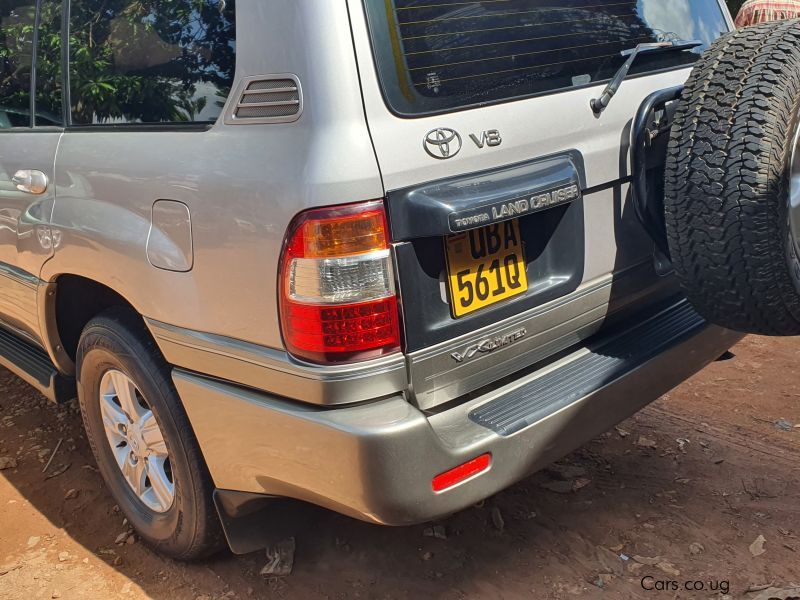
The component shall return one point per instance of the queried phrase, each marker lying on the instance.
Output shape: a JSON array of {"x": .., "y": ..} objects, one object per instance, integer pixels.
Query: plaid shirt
[{"x": 761, "y": 11}]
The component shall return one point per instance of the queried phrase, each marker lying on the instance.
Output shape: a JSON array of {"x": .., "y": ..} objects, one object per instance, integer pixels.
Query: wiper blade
[{"x": 600, "y": 104}]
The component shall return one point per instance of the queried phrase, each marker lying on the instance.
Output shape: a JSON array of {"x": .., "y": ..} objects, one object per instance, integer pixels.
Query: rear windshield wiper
[{"x": 600, "y": 104}]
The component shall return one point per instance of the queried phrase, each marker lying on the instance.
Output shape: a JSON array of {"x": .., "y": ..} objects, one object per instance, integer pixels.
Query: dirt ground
[{"x": 680, "y": 493}]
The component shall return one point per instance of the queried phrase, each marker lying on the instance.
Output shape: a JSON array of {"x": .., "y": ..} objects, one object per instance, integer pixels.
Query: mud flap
[{"x": 244, "y": 517}]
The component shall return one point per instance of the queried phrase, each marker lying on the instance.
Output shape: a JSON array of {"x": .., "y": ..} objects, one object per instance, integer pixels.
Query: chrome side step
[
  {"x": 33, "y": 365},
  {"x": 605, "y": 363}
]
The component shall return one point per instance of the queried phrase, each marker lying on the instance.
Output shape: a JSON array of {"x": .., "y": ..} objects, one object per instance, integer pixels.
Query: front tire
[{"x": 142, "y": 440}]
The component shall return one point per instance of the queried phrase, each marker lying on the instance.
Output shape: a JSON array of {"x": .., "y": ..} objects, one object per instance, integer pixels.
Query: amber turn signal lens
[{"x": 346, "y": 235}]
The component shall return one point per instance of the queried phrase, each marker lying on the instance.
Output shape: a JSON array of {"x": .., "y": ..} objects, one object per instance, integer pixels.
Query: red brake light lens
[{"x": 338, "y": 300}]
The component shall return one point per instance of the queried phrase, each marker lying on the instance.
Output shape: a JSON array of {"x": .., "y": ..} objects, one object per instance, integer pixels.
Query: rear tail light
[{"x": 338, "y": 299}]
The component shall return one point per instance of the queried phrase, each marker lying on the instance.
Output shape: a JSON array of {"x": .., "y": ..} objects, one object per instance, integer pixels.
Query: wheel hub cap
[
  {"x": 136, "y": 441},
  {"x": 135, "y": 445},
  {"x": 794, "y": 190}
]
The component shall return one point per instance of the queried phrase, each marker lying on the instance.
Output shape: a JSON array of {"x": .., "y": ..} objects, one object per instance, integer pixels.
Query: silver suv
[{"x": 385, "y": 256}]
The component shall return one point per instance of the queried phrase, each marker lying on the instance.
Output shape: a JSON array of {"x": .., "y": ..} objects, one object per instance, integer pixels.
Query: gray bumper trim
[
  {"x": 528, "y": 404},
  {"x": 275, "y": 371},
  {"x": 375, "y": 461}
]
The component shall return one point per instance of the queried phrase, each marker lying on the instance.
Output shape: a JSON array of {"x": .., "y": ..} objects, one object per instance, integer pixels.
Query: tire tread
[
  {"x": 207, "y": 537},
  {"x": 725, "y": 180}
]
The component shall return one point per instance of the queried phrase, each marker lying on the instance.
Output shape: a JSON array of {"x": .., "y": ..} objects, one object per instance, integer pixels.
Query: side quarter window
[
  {"x": 150, "y": 61},
  {"x": 17, "y": 19}
]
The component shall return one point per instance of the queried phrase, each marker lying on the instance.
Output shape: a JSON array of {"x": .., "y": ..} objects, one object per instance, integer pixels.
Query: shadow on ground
[{"x": 690, "y": 483}]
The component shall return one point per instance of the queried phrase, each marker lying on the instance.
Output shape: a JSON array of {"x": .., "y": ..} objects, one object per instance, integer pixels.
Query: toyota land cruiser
[{"x": 384, "y": 256}]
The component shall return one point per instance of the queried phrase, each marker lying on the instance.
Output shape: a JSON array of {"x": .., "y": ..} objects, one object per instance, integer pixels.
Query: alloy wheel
[{"x": 136, "y": 441}]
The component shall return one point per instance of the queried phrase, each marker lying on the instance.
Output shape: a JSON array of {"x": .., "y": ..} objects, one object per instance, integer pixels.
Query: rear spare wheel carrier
[{"x": 733, "y": 182}]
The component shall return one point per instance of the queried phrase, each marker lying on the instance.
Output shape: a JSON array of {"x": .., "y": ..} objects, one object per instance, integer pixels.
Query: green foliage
[
  {"x": 145, "y": 61},
  {"x": 48, "y": 92},
  {"x": 167, "y": 47},
  {"x": 16, "y": 47}
]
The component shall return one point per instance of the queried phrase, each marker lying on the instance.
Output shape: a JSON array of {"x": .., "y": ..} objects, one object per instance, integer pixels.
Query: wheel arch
[{"x": 66, "y": 304}]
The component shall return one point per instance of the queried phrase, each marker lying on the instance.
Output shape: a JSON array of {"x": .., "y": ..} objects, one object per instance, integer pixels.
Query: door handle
[{"x": 30, "y": 181}]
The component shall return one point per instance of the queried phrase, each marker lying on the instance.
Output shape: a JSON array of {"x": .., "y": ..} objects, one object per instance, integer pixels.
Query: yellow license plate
[{"x": 485, "y": 266}]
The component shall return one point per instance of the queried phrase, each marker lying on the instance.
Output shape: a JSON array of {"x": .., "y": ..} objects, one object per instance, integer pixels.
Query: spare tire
[{"x": 732, "y": 193}]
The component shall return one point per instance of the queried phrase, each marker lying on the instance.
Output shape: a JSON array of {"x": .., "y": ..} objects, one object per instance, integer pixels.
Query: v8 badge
[{"x": 490, "y": 138}]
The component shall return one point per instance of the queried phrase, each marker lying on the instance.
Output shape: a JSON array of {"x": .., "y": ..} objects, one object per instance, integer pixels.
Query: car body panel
[
  {"x": 26, "y": 241},
  {"x": 242, "y": 184}
]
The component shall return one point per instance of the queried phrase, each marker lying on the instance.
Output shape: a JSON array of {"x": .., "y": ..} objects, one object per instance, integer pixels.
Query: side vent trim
[{"x": 266, "y": 99}]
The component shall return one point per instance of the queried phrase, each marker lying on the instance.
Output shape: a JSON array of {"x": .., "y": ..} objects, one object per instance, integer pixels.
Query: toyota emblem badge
[{"x": 442, "y": 143}]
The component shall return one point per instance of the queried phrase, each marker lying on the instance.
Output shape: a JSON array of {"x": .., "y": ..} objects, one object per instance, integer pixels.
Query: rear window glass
[{"x": 437, "y": 55}]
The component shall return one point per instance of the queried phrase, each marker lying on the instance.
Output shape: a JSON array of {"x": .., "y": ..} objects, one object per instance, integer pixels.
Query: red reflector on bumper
[{"x": 461, "y": 473}]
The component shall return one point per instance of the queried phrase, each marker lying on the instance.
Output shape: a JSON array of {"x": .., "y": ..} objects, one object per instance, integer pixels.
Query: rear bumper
[{"x": 375, "y": 461}]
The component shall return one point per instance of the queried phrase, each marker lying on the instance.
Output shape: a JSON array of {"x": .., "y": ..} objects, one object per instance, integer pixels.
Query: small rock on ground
[
  {"x": 566, "y": 472},
  {"x": 757, "y": 547},
  {"x": 122, "y": 537},
  {"x": 437, "y": 531},
  {"x": 645, "y": 442},
  {"x": 696, "y": 548},
  {"x": 497, "y": 519},
  {"x": 280, "y": 558}
]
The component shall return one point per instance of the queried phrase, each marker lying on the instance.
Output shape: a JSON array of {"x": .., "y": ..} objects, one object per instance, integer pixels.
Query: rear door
[
  {"x": 493, "y": 159},
  {"x": 30, "y": 128}
]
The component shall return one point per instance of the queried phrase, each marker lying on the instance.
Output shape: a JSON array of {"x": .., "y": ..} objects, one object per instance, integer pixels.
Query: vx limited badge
[
  {"x": 490, "y": 345},
  {"x": 442, "y": 143}
]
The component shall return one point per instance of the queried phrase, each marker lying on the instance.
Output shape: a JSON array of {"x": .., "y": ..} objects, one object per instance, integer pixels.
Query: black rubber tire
[
  {"x": 727, "y": 181},
  {"x": 190, "y": 529}
]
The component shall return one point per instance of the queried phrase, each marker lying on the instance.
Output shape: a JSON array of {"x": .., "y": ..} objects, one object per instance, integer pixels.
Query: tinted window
[
  {"x": 441, "y": 54},
  {"x": 16, "y": 51},
  {"x": 150, "y": 61},
  {"x": 48, "y": 65}
]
